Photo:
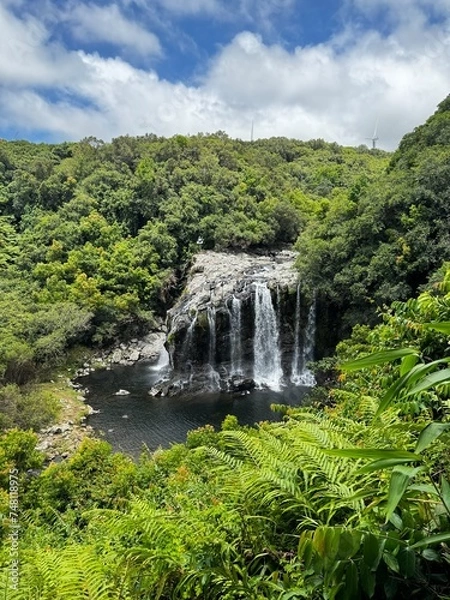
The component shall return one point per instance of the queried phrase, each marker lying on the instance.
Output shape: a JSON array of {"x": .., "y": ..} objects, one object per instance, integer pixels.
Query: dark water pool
[{"x": 129, "y": 422}]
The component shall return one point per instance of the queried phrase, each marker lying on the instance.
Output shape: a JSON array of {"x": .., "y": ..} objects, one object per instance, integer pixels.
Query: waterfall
[
  {"x": 300, "y": 375},
  {"x": 279, "y": 316},
  {"x": 186, "y": 349},
  {"x": 267, "y": 369},
  {"x": 296, "y": 366},
  {"x": 214, "y": 378},
  {"x": 235, "y": 337},
  {"x": 163, "y": 361},
  {"x": 308, "y": 346},
  {"x": 212, "y": 335},
  {"x": 303, "y": 354}
]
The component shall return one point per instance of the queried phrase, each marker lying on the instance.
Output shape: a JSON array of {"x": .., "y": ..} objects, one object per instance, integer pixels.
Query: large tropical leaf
[
  {"x": 400, "y": 478},
  {"x": 443, "y": 326},
  {"x": 429, "y": 434},
  {"x": 430, "y": 381},
  {"x": 379, "y": 358}
]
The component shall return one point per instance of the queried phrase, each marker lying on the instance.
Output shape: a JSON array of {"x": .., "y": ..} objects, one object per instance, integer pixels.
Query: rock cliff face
[{"x": 240, "y": 321}]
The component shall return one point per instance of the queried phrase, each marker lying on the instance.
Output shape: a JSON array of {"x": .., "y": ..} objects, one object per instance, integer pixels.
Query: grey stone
[
  {"x": 148, "y": 351},
  {"x": 155, "y": 391},
  {"x": 122, "y": 393},
  {"x": 44, "y": 445},
  {"x": 241, "y": 384},
  {"x": 116, "y": 356},
  {"x": 135, "y": 355}
]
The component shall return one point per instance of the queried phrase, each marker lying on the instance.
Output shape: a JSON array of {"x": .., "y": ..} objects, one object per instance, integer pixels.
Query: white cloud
[
  {"x": 31, "y": 111},
  {"x": 93, "y": 23},
  {"x": 319, "y": 91},
  {"x": 335, "y": 90},
  {"x": 27, "y": 58},
  {"x": 184, "y": 7}
]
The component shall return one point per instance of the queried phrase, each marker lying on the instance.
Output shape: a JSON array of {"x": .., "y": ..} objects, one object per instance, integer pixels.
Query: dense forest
[{"x": 348, "y": 497}]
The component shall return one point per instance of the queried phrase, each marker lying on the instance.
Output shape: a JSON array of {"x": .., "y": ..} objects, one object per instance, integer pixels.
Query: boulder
[
  {"x": 135, "y": 355},
  {"x": 116, "y": 356},
  {"x": 155, "y": 391},
  {"x": 238, "y": 383}
]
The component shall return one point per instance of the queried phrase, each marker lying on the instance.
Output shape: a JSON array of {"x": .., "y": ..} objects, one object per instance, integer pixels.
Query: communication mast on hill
[
  {"x": 251, "y": 131},
  {"x": 375, "y": 137}
]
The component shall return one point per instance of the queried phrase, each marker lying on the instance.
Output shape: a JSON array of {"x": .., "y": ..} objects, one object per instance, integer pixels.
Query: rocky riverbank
[
  {"x": 62, "y": 439},
  {"x": 126, "y": 354}
]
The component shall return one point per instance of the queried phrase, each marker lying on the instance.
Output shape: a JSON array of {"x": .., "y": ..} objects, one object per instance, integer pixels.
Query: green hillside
[{"x": 346, "y": 498}]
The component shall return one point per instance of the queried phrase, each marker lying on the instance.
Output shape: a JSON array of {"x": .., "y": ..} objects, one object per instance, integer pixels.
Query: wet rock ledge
[{"x": 126, "y": 354}]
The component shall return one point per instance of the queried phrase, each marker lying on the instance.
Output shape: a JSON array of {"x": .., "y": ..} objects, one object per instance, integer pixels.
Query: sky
[{"x": 306, "y": 69}]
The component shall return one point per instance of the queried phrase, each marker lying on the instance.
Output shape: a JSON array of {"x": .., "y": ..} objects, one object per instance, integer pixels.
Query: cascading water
[
  {"x": 186, "y": 350},
  {"x": 296, "y": 359},
  {"x": 267, "y": 370},
  {"x": 212, "y": 335},
  {"x": 187, "y": 342},
  {"x": 279, "y": 316},
  {"x": 163, "y": 361},
  {"x": 214, "y": 378},
  {"x": 303, "y": 354},
  {"x": 308, "y": 346},
  {"x": 235, "y": 337}
]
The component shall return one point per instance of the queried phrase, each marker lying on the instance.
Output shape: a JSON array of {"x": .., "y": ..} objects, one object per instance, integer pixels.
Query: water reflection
[{"x": 128, "y": 422}]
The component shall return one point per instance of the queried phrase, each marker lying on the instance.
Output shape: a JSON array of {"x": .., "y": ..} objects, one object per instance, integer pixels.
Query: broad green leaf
[
  {"x": 392, "y": 393},
  {"x": 400, "y": 479},
  {"x": 445, "y": 493},
  {"x": 391, "y": 562},
  {"x": 351, "y": 582},
  {"x": 429, "y": 434},
  {"x": 332, "y": 536},
  {"x": 305, "y": 551},
  {"x": 430, "y": 381},
  {"x": 349, "y": 544},
  {"x": 379, "y": 358},
  {"x": 432, "y": 539},
  {"x": 443, "y": 327},
  {"x": 326, "y": 542},
  {"x": 407, "y": 562},
  {"x": 430, "y": 554},
  {"x": 372, "y": 550},
  {"x": 368, "y": 580},
  {"x": 423, "y": 487},
  {"x": 377, "y": 465},
  {"x": 409, "y": 521},
  {"x": 408, "y": 362},
  {"x": 396, "y": 521},
  {"x": 373, "y": 453},
  {"x": 319, "y": 541},
  {"x": 392, "y": 542},
  {"x": 404, "y": 383}
]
